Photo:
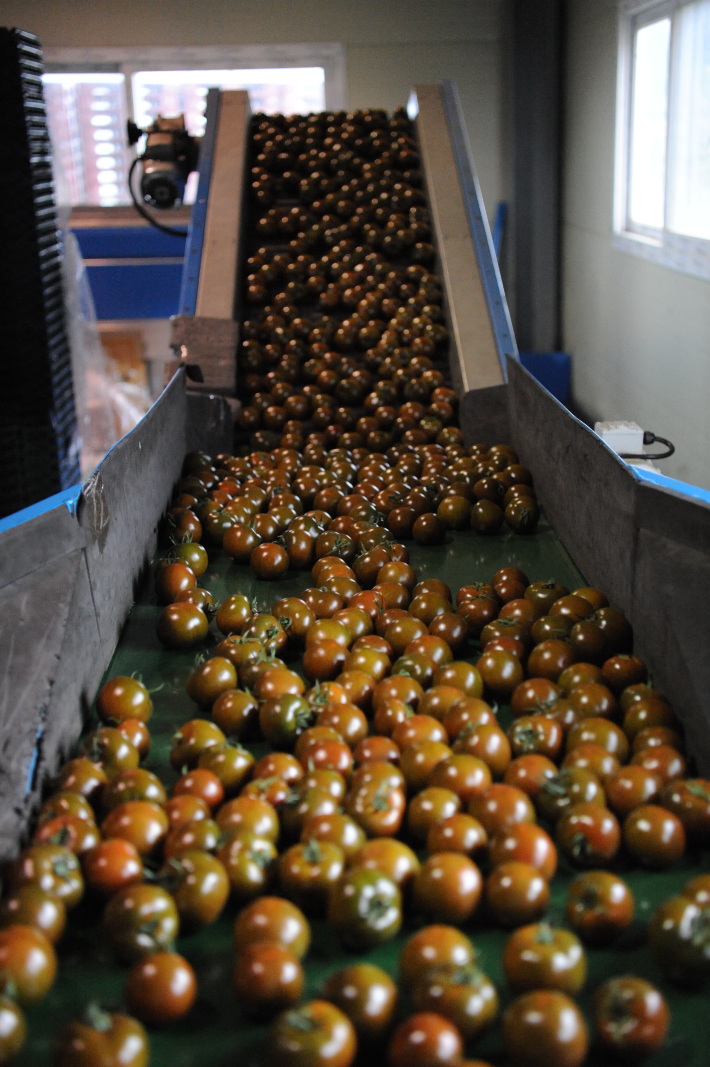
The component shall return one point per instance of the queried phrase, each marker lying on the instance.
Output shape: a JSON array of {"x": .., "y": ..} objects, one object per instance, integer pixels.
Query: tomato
[
  {"x": 418, "y": 761},
  {"x": 301, "y": 805},
  {"x": 549, "y": 659},
  {"x": 593, "y": 758},
  {"x": 430, "y": 947},
  {"x": 536, "y": 734},
  {"x": 647, "y": 710},
  {"x": 267, "y": 978},
  {"x": 139, "y": 920},
  {"x": 161, "y": 988},
  {"x": 428, "y": 808},
  {"x": 516, "y": 893},
  {"x": 250, "y": 863},
  {"x": 53, "y": 868},
  {"x": 68, "y": 830},
  {"x": 102, "y": 1039},
  {"x": 109, "y": 749},
  {"x": 689, "y": 800},
  {"x": 631, "y": 1017},
  {"x": 210, "y": 679},
  {"x": 66, "y": 803},
  {"x": 698, "y": 889},
  {"x": 336, "y": 828},
  {"x": 460, "y": 675},
  {"x": 665, "y": 762},
  {"x": 230, "y": 764},
  {"x": 134, "y": 784},
  {"x": 376, "y": 748},
  {"x": 249, "y": 815},
  {"x": 234, "y": 613},
  {"x": 367, "y": 995},
  {"x": 308, "y": 872},
  {"x": 486, "y": 742},
  {"x": 236, "y": 713},
  {"x": 269, "y": 561},
  {"x": 13, "y": 1030},
  {"x": 28, "y": 961},
  {"x": 200, "y": 834},
  {"x": 31, "y": 906},
  {"x": 112, "y": 865},
  {"x": 447, "y": 887},
  {"x": 182, "y": 626},
  {"x": 463, "y": 995},
  {"x": 191, "y": 740},
  {"x": 272, "y": 919},
  {"x": 418, "y": 728},
  {"x": 588, "y": 834},
  {"x": 529, "y": 773},
  {"x": 274, "y": 682},
  {"x": 465, "y": 775},
  {"x": 316, "y": 1033},
  {"x": 365, "y": 908},
  {"x": 567, "y": 788},
  {"x": 502, "y": 672},
  {"x": 425, "y": 1040},
  {"x": 501, "y": 807},
  {"x": 376, "y": 806},
  {"x": 141, "y": 822},
  {"x": 389, "y": 857},
  {"x": 579, "y": 674},
  {"x": 458, "y": 833},
  {"x": 199, "y": 885},
  {"x": 543, "y": 957},
  {"x": 544, "y": 1028},
  {"x": 526, "y": 843},
  {"x": 124, "y": 698},
  {"x": 171, "y": 579},
  {"x": 185, "y": 809},
  {"x": 679, "y": 940},
  {"x": 654, "y": 837},
  {"x": 600, "y": 906}
]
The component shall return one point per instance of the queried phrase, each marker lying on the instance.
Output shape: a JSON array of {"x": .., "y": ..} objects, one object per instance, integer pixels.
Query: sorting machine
[
  {"x": 74, "y": 599},
  {"x": 647, "y": 543}
]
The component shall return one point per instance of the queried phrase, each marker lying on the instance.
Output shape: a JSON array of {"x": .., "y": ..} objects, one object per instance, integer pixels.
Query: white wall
[
  {"x": 639, "y": 334},
  {"x": 389, "y": 45}
]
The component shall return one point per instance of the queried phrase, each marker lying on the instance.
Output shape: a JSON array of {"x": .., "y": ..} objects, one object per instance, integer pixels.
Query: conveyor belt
[{"x": 215, "y": 1033}]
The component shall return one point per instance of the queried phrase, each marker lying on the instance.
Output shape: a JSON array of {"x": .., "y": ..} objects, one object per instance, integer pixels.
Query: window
[
  {"x": 662, "y": 193},
  {"x": 87, "y": 108}
]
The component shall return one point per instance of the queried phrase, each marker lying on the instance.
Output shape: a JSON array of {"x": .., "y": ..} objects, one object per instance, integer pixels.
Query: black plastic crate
[{"x": 38, "y": 426}]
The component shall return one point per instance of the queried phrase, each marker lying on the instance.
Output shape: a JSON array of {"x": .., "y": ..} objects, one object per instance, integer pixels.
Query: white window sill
[{"x": 685, "y": 255}]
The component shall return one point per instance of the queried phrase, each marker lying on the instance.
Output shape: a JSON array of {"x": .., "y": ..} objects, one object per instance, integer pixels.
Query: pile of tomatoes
[{"x": 387, "y": 756}]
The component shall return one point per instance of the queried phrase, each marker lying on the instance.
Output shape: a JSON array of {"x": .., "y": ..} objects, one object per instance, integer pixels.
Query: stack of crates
[{"x": 39, "y": 452}]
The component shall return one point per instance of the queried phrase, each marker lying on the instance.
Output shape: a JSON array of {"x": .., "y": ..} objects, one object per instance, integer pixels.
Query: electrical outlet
[{"x": 622, "y": 436}]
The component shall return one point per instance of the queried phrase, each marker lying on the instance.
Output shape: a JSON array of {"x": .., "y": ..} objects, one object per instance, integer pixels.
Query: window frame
[
  {"x": 688, "y": 255},
  {"x": 330, "y": 55}
]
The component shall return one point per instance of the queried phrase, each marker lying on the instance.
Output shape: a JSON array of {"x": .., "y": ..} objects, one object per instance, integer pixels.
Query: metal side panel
[
  {"x": 196, "y": 229},
  {"x": 217, "y": 286},
  {"x": 121, "y": 505},
  {"x": 481, "y": 335},
  {"x": 587, "y": 492}
]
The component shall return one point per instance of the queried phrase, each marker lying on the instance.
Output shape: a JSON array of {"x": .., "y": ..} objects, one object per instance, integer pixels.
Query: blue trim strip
[
  {"x": 498, "y": 228},
  {"x": 478, "y": 225},
  {"x": 196, "y": 229},
  {"x": 69, "y": 496},
  {"x": 663, "y": 482}
]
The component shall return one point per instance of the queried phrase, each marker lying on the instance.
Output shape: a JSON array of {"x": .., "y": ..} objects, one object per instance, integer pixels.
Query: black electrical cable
[
  {"x": 146, "y": 215},
  {"x": 649, "y": 439}
]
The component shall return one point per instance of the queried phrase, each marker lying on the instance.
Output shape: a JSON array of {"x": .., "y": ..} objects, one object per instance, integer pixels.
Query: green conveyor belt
[{"x": 215, "y": 1033}]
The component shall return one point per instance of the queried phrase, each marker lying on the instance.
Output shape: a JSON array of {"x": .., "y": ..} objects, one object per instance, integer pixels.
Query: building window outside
[
  {"x": 662, "y": 188},
  {"x": 87, "y": 110}
]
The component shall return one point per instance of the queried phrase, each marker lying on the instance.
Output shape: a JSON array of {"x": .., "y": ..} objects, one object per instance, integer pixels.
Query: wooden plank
[
  {"x": 474, "y": 353},
  {"x": 218, "y": 272}
]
